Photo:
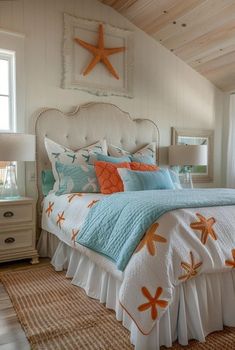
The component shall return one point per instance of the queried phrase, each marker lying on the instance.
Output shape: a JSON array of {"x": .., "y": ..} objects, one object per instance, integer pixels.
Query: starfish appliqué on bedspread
[
  {"x": 49, "y": 209},
  {"x": 153, "y": 302},
  {"x": 73, "y": 195},
  {"x": 60, "y": 219},
  {"x": 90, "y": 205},
  {"x": 100, "y": 53},
  {"x": 204, "y": 225},
  {"x": 230, "y": 262},
  {"x": 150, "y": 238},
  {"x": 74, "y": 235},
  {"x": 190, "y": 268}
]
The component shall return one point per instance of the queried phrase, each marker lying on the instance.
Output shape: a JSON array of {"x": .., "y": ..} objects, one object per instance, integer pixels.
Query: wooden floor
[{"x": 12, "y": 336}]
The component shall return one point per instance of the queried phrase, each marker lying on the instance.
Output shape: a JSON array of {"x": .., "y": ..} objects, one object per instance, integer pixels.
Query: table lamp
[
  {"x": 187, "y": 156},
  {"x": 14, "y": 147}
]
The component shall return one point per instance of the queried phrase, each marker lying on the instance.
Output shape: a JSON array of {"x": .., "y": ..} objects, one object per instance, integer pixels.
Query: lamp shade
[
  {"x": 187, "y": 155},
  {"x": 17, "y": 147}
]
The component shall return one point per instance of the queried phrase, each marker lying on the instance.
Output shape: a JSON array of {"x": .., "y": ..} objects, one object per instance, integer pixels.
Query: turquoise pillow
[
  {"x": 76, "y": 178},
  {"x": 47, "y": 181},
  {"x": 143, "y": 159},
  {"x": 104, "y": 158},
  {"x": 146, "y": 180}
]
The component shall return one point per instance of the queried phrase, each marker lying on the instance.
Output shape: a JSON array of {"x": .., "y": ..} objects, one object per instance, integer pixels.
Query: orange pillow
[
  {"x": 108, "y": 177},
  {"x": 143, "y": 166}
]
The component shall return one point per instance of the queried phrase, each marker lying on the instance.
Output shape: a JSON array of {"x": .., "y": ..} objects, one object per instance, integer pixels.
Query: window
[
  {"x": 7, "y": 98},
  {"x": 7, "y": 91}
]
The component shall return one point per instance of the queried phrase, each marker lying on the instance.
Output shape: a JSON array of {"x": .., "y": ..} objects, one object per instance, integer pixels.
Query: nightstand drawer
[
  {"x": 16, "y": 239},
  {"x": 16, "y": 213}
]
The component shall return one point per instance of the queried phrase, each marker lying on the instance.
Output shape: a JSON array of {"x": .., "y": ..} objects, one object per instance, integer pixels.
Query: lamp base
[
  {"x": 10, "y": 188},
  {"x": 187, "y": 180}
]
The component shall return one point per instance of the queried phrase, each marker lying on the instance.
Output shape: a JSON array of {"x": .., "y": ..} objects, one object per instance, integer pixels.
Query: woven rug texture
[{"x": 56, "y": 315}]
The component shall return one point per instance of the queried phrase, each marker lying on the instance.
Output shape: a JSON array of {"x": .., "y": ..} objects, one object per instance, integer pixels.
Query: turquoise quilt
[{"x": 116, "y": 224}]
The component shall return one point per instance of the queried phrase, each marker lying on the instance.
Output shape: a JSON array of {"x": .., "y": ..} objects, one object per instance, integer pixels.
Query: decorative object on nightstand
[
  {"x": 187, "y": 156},
  {"x": 14, "y": 147},
  {"x": 17, "y": 230}
]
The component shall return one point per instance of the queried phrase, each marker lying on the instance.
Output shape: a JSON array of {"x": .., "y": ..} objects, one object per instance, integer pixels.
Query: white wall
[{"x": 165, "y": 88}]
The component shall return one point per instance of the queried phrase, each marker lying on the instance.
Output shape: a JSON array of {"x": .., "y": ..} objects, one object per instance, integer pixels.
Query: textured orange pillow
[
  {"x": 108, "y": 177},
  {"x": 143, "y": 166}
]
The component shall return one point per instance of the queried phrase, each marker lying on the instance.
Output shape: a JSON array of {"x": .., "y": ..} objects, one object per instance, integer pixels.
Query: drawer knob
[
  {"x": 8, "y": 214},
  {"x": 10, "y": 240}
]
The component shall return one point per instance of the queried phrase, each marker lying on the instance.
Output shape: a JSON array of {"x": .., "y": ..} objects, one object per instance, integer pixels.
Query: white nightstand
[{"x": 17, "y": 230}]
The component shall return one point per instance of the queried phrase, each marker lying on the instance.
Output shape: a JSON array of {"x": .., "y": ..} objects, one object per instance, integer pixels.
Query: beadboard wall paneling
[{"x": 166, "y": 89}]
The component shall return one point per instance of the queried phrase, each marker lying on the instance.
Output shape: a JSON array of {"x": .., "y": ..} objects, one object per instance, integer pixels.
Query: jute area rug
[{"x": 56, "y": 315}]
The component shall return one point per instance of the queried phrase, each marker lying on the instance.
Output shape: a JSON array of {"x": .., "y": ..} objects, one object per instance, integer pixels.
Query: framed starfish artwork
[{"x": 97, "y": 57}]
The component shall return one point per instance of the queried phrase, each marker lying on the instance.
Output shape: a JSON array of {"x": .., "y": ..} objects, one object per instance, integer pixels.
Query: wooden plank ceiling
[{"x": 200, "y": 32}]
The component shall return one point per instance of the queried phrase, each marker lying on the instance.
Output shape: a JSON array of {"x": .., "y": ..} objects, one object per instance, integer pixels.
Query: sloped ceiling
[{"x": 200, "y": 32}]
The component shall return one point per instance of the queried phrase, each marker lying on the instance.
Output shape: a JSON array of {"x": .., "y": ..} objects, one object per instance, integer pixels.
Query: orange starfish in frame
[
  {"x": 150, "y": 238},
  {"x": 153, "y": 302},
  {"x": 190, "y": 268},
  {"x": 230, "y": 262},
  {"x": 204, "y": 225},
  {"x": 100, "y": 53},
  {"x": 60, "y": 219},
  {"x": 49, "y": 209}
]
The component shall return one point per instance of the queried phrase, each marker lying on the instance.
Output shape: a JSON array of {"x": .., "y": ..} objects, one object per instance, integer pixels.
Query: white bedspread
[
  {"x": 183, "y": 244},
  {"x": 63, "y": 216}
]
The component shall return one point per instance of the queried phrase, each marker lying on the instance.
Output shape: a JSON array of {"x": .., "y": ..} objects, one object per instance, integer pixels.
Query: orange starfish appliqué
[
  {"x": 190, "y": 268},
  {"x": 150, "y": 238},
  {"x": 100, "y": 53},
  {"x": 90, "y": 205},
  {"x": 73, "y": 195},
  {"x": 230, "y": 262},
  {"x": 60, "y": 219},
  {"x": 204, "y": 225},
  {"x": 49, "y": 209},
  {"x": 74, "y": 235},
  {"x": 153, "y": 302}
]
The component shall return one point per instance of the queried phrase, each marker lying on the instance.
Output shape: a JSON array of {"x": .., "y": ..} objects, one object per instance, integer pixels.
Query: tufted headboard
[{"x": 86, "y": 125}]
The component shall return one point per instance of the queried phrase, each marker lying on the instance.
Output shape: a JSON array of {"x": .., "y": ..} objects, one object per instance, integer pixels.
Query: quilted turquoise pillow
[
  {"x": 76, "y": 178},
  {"x": 146, "y": 180},
  {"x": 143, "y": 159}
]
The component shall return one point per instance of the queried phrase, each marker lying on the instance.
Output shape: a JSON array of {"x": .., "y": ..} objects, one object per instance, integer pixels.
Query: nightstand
[{"x": 17, "y": 230}]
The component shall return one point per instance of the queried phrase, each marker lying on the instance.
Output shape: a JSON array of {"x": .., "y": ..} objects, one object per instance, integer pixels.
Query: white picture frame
[{"x": 75, "y": 58}]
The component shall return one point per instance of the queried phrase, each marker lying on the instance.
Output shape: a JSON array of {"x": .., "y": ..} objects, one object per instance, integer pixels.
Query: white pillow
[
  {"x": 64, "y": 155},
  {"x": 148, "y": 151}
]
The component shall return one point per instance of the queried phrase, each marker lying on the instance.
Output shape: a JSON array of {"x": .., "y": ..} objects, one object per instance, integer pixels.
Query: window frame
[{"x": 10, "y": 57}]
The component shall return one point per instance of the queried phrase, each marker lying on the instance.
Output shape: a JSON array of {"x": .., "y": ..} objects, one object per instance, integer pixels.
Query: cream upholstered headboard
[{"x": 86, "y": 125}]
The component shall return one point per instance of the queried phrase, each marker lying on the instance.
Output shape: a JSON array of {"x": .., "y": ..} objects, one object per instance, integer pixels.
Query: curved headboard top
[{"x": 86, "y": 125}]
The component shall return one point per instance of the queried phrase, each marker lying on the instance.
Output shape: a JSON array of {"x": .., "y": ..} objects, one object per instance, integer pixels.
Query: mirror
[{"x": 201, "y": 173}]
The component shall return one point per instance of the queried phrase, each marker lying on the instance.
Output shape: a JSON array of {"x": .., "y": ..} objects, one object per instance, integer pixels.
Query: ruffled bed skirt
[{"x": 199, "y": 306}]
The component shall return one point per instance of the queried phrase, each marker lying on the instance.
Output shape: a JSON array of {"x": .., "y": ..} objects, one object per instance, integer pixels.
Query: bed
[{"x": 191, "y": 311}]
